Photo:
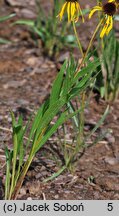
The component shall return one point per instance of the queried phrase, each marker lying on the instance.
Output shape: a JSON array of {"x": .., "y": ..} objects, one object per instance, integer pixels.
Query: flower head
[
  {"x": 73, "y": 9},
  {"x": 108, "y": 10}
]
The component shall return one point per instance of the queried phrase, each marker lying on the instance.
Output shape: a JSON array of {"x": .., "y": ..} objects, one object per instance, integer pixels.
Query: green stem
[
  {"x": 20, "y": 181},
  {"x": 15, "y": 141},
  {"x": 81, "y": 126},
  {"x": 26, "y": 167},
  {"x": 77, "y": 38},
  {"x": 7, "y": 180},
  {"x": 55, "y": 174},
  {"x": 89, "y": 46}
]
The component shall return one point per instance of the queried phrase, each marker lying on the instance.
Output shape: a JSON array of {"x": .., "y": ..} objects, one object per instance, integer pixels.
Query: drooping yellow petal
[
  {"x": 103, "y": 32},
  {"x": 73, "y": 11},
  {"x": 69, "y": 11},
  {"x": 110, "y": 26},
  {"x": 96, "y": 8},
  {"x": 79, "y": 10},
  {"x": 62, "y": 11}
]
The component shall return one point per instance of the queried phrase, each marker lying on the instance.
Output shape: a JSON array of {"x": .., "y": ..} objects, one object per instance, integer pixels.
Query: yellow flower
[
  {"x": 73, "y": 9},
  {"x": 108, "y": 10}
]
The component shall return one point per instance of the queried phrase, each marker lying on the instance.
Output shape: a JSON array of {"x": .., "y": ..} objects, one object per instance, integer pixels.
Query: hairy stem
[
  {"x": 89, "y": 46},
  {"x": 77, "y": 38}
]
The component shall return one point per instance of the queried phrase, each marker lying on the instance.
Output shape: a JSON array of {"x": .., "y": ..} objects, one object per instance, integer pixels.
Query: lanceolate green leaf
[
  {"x": 89, "y": 69},
  {"x": 57, "y": 85},
  {"x": 55, "y": 107},
  {"x": 49, "y": 115},
  {"x": 70, "y": 71},
  {"x": 25, "y": 22},
  {"x": 4, "y": 41},
  {"x": 72, "y": 110},
  {"x": 63, "y": 118},
  {"x": 16, "y": 128},
  {"x": 99, "y": 123},
  {"x": 8, "y": 173},
  {"x": 37, "y": 119},
  {"x": 3, "y": 18}
]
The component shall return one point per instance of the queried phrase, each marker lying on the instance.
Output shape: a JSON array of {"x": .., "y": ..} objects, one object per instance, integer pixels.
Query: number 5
[{"x": 110, "y": 206}]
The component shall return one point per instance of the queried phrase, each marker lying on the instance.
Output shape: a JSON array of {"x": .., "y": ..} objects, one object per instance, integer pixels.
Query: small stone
[
  {"x": 110, "y": 138},
  {"x": 56, "y": 196},
  {"x": 22, "y": 102},
  {"x": 63, "y": 57},
  {"x": 27, "y": 14},
  {"x": 39, "y": 175},
  {"x": 111, "y": 160},
  {"x": 32, "y": 61},
  {"x": 23, "y": 191},
  {"x": 29, "y": 198},
  {"x": 14, "y": 84}
]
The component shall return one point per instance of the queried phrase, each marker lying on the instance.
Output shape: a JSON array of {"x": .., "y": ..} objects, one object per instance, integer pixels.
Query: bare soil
[{"x": 26, "y": 77}]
